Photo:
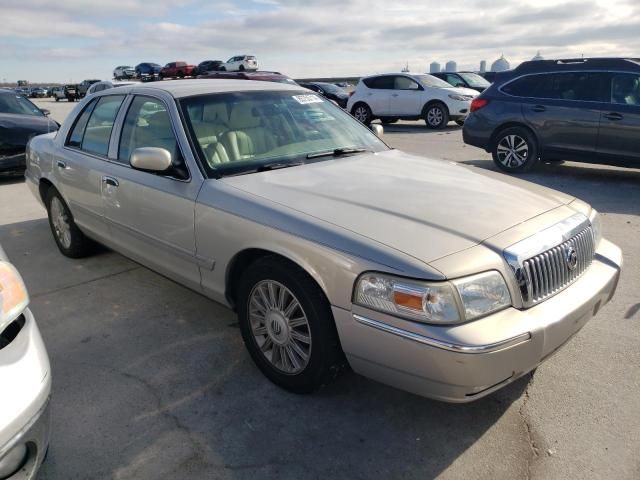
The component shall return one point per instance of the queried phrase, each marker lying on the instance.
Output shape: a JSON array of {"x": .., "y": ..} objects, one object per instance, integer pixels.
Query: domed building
[
  {"x": 538, "y": 56},
  {"x": 451, "y": 66},
  {"x": 434, "y": 67},
  {"x": 500, "y": 65}
]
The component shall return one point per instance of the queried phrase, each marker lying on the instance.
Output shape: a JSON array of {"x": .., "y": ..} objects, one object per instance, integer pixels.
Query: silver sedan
[
  {"x": 25, "y": 378},
  {"x": 434, "y": 277}
]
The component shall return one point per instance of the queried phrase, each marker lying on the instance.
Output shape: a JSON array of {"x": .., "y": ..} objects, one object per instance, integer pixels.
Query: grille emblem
[{"x": 571, "y": 257}]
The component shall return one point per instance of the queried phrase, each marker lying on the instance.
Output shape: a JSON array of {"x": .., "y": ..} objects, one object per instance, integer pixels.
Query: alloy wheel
[
  {"x": 280, "y": 326},
  {"x": 361, "y": 113},
  {"x": 434, "y": 116},
  {"x": 512, "y": 151},
  {"x": 60, "y": 221}
]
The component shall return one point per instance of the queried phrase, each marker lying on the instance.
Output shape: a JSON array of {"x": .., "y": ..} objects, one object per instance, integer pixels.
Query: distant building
[
  {"x": 434, "y": 67},
  {"x": 483, "y": 66},
  {"x": 451, "y": 66},
  {"x": 538, "y": 56},
  {"x": 500, "y": 65}
]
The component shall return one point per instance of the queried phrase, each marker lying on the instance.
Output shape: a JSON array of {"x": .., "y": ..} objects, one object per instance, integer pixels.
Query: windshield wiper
[
  {"x": 277, "y": 165},
  {"x": 337, "y": 152}
]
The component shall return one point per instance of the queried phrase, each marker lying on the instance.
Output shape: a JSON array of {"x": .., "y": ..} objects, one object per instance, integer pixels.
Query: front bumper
[
  {"x": 24, "y": 409},
  {"x": 12, "y": 163},
  {"x": 458, "y": 109},
  {"x": 462, "y": 363}
]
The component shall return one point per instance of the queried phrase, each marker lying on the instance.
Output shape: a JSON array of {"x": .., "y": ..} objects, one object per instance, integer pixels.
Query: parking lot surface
[{"x": 151, "y": 380}]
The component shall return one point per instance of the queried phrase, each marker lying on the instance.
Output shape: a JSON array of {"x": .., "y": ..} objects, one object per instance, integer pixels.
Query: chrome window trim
[
  {"x": 449, "y": 346},
  {"x": 609, "y": 102}
]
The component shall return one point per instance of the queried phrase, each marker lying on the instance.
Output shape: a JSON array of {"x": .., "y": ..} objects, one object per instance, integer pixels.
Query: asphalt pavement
[{"x": 151, "y": 380}]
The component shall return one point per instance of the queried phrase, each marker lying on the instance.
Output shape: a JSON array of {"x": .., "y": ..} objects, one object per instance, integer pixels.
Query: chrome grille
[
  {"x": 549, "y": 272},
  {"x": 550, "y": 260}
]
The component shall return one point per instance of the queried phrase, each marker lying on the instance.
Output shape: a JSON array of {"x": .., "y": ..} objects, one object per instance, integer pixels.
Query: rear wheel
[
  {"x": 223, "y": 69},
  {"x": 515, "y": 150},
  {"x": 287, "y": 326},
  {"x": 241, "y": 68},
  {"x": 69, "y": 238},
  {"x": 180, "y": 74},
  {"x": 436, "y": 116},
  {"x": 362, "y": 113}
]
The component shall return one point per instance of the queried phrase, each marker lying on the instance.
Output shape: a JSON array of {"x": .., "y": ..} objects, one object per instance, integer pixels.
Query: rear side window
[
  {"x": 380, "y": 83},
  {"x": 405, "y": 83},
  {"x": 77, "y": 132},
  {"x": 583, "y": 86},
  {"x": 98, "y": 132}
]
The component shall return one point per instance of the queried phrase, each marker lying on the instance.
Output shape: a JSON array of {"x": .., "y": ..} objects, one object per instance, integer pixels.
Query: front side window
[
  {"x": 625, "y": 89},
  {"x": 245, "y": 132},
  {"x": 405, "y": 83},
  {"x": 98, "y": 132},
  {"x": 474, "y": 80},
  {"x": 380, "y": 83},
  {"x": 19, "y": 105},
  {"x": 147, "y": 124}
]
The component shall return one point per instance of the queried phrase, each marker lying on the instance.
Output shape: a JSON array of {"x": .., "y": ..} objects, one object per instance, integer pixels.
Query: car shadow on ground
[
  {"x": 151, "y": 380},
  {"x": 418, "y": 127},
  {"x": 592, "y": 183}
]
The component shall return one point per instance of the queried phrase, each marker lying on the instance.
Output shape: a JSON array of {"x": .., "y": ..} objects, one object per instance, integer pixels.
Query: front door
[
  {"x": 620, "y": 120},
  {"x": 406, "y": 98},
  {"x": 151, "y": 215},
  {"x": 379, "y": 94}
]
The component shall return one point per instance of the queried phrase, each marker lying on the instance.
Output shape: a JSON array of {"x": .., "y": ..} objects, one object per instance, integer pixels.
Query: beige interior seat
[{"x": 247, "y": 135}]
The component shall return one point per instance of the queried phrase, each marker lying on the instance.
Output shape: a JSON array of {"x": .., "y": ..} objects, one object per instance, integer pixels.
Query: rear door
[
  {"x": 82, "y": 167},
  {"x": 620, "y": 120},
  {"x": 379, "y": 95},
  {"x": 407, "y": 97},
  {"x": 563, "y": 109},
  {"x": 150, "y": 214}
]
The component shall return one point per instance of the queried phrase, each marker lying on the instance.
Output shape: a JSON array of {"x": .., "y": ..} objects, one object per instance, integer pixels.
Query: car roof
[{"x": 188, "y": 88}]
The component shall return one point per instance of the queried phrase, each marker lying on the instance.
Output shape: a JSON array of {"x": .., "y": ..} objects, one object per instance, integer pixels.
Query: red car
[{"x": 177, "y": 69}]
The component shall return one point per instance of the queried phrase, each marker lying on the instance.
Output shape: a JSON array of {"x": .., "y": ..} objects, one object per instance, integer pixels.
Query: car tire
[
  {"x": 180, "y": 74},
  {"x": 389, "y": 120},
  {"x": 362, "y": 113},
  {"x": 460, "y": 123},
  {"x": 223, "y": 69},
  {"x": 436, "y": 116},
  {"x": 241, "y": 68},
  {"x": 515, "y": 150},
  {"x": 291, "y": 338},
  {"x": 71, "y": 241},
  {"x": 57, "y": 99}
]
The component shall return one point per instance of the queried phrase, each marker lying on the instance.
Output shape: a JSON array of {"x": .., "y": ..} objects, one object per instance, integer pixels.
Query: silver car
[
  {"x": 437, "y": 278},
  {"x": 25, "y": 379}
]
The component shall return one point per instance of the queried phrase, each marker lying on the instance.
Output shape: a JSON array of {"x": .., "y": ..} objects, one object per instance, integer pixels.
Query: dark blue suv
[{"x": 584, "y": 110}]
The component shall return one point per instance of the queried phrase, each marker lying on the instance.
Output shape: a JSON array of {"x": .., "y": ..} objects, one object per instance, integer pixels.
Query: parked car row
[{"x": 152, "y": 71}]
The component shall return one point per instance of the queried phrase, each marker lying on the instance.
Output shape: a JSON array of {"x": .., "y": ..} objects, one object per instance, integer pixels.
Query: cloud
[{"x": 328, "y": 37}]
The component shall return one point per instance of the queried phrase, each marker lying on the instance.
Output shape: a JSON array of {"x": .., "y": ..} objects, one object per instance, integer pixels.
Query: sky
[{"x": 70, "y": 40}]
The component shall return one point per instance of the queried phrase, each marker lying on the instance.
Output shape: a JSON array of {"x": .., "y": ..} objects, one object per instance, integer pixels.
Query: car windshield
[
  {"x": 331, "y": 88},
  {"x": 431, "y": 81},
  {"x": 245, "y": 132},
  {"x": 17, "y": 104},
  {"x": 474, "y": 80}
]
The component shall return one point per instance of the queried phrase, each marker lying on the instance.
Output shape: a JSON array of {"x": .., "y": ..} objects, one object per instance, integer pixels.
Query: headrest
[
  {"x": 215, "y": 113},
  {"x": 159, "y": 120},
  {"x": 243, "y": 116}
]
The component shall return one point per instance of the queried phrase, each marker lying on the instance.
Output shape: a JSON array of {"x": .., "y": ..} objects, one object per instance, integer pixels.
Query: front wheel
[
  {"x": 436, "y": 116},
  {"x": 515, "y": 150},
  {"x": 223, "y": 69},
  {"x": 241, "y": 68},
  {"x": 287, "y": 326},
  {"x": 362, "y": 113},
  {"x": 69, "y": 238}
]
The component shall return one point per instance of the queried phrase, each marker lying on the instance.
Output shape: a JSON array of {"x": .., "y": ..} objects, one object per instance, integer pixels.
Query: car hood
[
  {"x": 16, "y": 130},
  {"x": 463, "y": 91},
  {"x": 422, "y": 207}
]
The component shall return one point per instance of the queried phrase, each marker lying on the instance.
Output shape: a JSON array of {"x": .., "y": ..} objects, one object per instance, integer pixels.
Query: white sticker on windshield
[{"x": 305, "y": 99}]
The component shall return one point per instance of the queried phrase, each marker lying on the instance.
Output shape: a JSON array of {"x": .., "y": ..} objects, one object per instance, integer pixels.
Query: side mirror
[
  {"x": 151, "y": 159},
  {"x": 377, "y": 129},
  {"x": 45, "y": 111}
]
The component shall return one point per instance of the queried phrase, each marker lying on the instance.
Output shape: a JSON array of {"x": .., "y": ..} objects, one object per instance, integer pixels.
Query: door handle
[
  {"x": 110, "y": 181},
  {"x": 539, "y": 108},
  {"x": 613, "y": 116},
  {"x": 61, "y": 164}
]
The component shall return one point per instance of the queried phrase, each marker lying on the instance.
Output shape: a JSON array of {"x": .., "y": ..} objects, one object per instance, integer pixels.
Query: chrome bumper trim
[{"x": 432, "y": 342}]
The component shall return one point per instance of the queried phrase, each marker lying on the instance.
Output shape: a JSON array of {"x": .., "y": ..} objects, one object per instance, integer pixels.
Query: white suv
[
  {"x": 239, "y": 63},
  {"x": 394, "y": 96}
]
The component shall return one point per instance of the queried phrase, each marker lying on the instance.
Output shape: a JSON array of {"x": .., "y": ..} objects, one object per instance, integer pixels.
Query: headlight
[
  {"x": 426, "y": 302},
  {"x": 596, "y": 227},
  {"x": 13, "y": 294},
  {"x": 483, "y": 294},
  {"x": 460, "y": 98},
  {"x": 439, "y": 302}
]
